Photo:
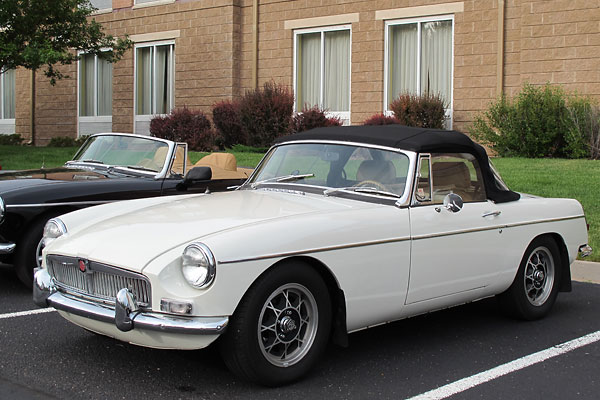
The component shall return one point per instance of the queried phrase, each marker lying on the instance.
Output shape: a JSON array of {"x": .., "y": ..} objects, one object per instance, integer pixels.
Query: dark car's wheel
[
  {"x": 535, "y": 287},
  {"x": 281, "y": 326},
  {"x": 26, "y": 254}
]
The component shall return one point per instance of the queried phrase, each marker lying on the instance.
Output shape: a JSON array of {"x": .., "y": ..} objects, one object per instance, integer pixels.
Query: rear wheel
[
  {"x": 534, "y": 290},
  {"x": 281, "y": 326}
]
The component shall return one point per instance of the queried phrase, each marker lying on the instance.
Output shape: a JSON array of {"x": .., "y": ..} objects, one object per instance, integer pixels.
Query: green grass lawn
[{"x": 579, "y": 179}]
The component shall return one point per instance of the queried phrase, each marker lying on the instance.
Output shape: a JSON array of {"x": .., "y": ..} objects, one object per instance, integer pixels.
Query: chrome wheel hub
[
  {"x": 539, "y": 276},
  {"x": 288, "y": 325}
]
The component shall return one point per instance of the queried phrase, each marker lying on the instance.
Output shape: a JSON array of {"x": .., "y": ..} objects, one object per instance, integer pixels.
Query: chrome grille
[{"x": 99, "y": 282}]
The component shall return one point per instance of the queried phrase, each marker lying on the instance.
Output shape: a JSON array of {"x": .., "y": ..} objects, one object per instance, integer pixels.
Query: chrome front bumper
[
  {"x": 7, "y": 248},
  {"x": 126, "y": 315}
]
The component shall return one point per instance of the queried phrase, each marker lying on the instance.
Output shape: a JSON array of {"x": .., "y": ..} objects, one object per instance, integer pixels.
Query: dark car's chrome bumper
[
  {"x": 7, "y": 248},
  {"x": 585, "y": 250},
  {"x": 125, "y": 315}
]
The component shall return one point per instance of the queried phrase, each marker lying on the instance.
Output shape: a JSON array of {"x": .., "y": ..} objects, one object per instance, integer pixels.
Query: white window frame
[
  {"x": 91, "y": 118},
  {"x": 7, "y": 125},
  {"x": 148, "y": 117},
  {"x": 138, "y": 4},
  {"x": 419, "y": 21},
  {"x": 342, "y": 115}
]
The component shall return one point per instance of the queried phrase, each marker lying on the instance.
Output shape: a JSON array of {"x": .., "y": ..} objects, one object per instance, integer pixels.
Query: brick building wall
[{"x": 556, "y": 41}]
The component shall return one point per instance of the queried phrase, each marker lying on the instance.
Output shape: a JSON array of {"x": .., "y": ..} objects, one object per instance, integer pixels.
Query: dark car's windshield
[
  {"x": 118, "y": 150},
  {"x": 334, "y": 166}
]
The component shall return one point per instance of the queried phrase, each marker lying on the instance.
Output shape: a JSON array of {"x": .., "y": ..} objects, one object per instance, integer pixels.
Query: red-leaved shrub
[
  {"x": 226, "y": 117},
  {"x": 313, "y": 118},
  {"x": 423, "y": 111},
  {"x": 266, "y": 113},
  {"x": 381, "y": 119},
  {"x": 184, "y": 125}
]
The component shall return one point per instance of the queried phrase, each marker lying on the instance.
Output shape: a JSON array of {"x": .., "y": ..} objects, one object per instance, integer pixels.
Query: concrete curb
[{"x": 585, "y": 271}]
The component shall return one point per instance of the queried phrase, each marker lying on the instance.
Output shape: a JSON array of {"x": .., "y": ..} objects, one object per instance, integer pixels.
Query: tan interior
[
  {"x": 223, "y": 166},
  {"x": 451, "y": 177},
  {"x": 375, "y": 170}
]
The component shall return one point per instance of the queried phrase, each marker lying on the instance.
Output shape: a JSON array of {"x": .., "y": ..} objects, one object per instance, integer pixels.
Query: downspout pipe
[
  {"x": 32, "y": 109},
  {"x": 500, "y": 55},
  {"x": 254, "y": 44}
]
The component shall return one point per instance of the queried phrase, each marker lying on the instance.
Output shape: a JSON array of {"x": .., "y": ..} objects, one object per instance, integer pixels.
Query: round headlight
[
  {"x": 198, "y": 265},
  {"x": 53, "y": 229}
]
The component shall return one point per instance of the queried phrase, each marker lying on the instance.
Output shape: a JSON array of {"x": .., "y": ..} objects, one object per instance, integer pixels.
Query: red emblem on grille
[{"x": 82, "y": 266}]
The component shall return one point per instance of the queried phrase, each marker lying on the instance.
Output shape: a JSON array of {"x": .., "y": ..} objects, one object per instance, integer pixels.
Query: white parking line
[
  {"x": 25, "y": 313},
  {"x": 501, "y": 370}
]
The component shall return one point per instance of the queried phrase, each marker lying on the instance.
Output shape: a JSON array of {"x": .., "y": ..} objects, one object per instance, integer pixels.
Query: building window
[
  {"x": 322, "y": 70},
  {"x": 102, "y": 4},
  {"x": 7, "y": 94},
  {"x": 419, "y": 58},
  {"x": 95, "y": 86},
  {"x": 154, "y": 79}
]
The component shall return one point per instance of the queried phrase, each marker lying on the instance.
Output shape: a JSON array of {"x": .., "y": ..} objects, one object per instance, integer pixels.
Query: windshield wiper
[
  {"x": 284, "y": 178},
  {"x": 87, "y": 161},
  {"x": 136, "y": 167},
  {"x": 359, "y": 189}
]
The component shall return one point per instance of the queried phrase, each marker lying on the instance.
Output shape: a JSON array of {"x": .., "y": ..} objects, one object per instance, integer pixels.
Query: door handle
[{"x": 491, "y": 214}]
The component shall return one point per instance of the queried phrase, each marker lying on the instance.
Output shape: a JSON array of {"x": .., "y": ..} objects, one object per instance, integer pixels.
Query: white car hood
[{"x": 133, "y": 238}]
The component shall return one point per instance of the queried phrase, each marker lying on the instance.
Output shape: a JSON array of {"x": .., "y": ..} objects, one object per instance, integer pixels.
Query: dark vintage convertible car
[{"x": 108, "y": 167}]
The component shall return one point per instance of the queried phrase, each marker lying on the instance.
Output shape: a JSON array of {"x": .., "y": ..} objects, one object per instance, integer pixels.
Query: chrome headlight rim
[
  {"x": 211, "y": 265},
  {"x": 2, "y": 209},
  {"x": 61, "y": 229}
]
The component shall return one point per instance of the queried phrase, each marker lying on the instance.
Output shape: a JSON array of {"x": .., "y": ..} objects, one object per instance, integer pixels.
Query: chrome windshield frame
[
  {"x": 164, "y": 172},
  {"x": 403, "y": 201}
]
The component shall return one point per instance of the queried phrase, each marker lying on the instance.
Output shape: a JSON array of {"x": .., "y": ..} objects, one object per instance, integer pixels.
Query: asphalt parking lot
[{"x": 43, "y": 356}]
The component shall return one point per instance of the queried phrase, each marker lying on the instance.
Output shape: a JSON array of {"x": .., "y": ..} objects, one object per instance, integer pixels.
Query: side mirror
[
  {"x": 198, "y": 174},
  {"x": 453, "y": 202}
]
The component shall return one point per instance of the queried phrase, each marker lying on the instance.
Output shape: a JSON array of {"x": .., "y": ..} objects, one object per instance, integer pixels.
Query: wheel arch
[
  {"x": 45, "y": 215},
  {"x": 339, "y": 331}
]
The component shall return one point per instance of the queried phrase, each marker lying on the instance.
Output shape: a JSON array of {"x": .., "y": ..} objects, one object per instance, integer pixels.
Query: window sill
[
  {"x": 103, "y": 11},
  {"x": 152, "y": 4}
]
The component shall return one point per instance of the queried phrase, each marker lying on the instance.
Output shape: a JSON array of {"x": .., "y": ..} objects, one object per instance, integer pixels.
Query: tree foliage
[{"x": 42, "y": 33}]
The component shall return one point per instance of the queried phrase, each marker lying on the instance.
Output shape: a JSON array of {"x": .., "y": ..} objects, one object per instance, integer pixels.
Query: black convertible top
[{"x": 420, "y": 140}]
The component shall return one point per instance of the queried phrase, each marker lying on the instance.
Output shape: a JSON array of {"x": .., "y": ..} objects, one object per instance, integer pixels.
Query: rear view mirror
[{"x": 198, "y": 174}]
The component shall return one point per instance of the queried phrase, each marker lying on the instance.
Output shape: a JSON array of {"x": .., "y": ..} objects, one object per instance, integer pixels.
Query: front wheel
[
  {"x": 534, "y": 290},
  {"x": 281, "y": 326},
  {"x": 27, "y": 257}
]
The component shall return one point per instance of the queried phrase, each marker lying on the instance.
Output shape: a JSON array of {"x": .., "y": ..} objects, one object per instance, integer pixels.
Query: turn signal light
[{"x": 175, "y": 307}]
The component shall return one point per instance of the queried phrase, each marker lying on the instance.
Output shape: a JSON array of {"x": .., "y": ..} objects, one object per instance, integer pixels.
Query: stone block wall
[{"x": 556, "y": 41}]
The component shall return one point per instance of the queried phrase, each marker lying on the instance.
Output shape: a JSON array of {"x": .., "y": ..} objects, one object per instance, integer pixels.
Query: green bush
[
  {"x": 64, "y": 141},
  {"x": 11, "y": 140},
  {"x": 266, "y": 113},
  {"x": 541, "y": 121},
  {"x": 423, "y": 111},
  {"x": 583, "y": 139}
]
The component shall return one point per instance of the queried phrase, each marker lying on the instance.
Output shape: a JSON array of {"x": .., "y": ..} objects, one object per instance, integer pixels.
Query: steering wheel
[{"x": 377, "y": 185}]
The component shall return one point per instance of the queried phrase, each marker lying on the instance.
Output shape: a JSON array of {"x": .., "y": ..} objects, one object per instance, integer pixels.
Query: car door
[{"x": 452, "y": 251}]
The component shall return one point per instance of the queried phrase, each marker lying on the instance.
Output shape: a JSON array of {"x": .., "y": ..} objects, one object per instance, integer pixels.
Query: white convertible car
[{"x": 337, "y": 230}]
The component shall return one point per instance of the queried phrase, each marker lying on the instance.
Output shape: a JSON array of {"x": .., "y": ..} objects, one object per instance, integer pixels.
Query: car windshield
[
  {"x": 126, "y": 151},
  {"x": 335, "y": 168}
]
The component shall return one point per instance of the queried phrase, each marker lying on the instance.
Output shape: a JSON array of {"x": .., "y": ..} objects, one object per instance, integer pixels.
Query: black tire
[
  {"x": 25, "y": 256},
  {"x": 257, "y": 359},
  {"x": 534, "y": 290}
]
